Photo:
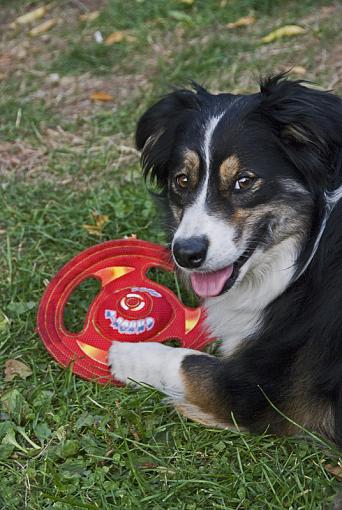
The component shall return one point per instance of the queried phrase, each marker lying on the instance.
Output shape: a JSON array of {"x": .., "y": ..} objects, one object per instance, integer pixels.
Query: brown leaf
[
  {"x": 334, "y": 470},
  {"x": 100, "y": 221},
  {"x": 149, "y": 465},
  {"x": 245, "y": 21},
  {"x": 13, "y": 367},
  {"x": 115, "y": 37},
  {"x": 92, "y": 230},
  {"x": 135, "y": 434},
  {"x": 101, "y": 96},
  {"x": 43, "y": 27},
  {"x": 285, "y": 31},
  {"x": 118, "y": 37},
  {"x": 89, "y": 16}
]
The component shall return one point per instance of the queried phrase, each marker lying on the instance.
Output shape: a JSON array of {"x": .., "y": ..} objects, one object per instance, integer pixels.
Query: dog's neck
[
  {"x": 237, "y": 314},
  {"x": 331, "y": 199}
]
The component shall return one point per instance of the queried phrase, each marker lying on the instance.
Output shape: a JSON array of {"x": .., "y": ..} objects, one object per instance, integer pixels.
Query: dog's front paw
[
  {"x": 148, "y": 362},
  {"x": 122, "y": 361},
  {"x": 144, "y": 362}
]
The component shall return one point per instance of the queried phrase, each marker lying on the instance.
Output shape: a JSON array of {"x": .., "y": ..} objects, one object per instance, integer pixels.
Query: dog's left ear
[
  {"x": 308, "y": 123},
  {"x": 157, "y": 130}
]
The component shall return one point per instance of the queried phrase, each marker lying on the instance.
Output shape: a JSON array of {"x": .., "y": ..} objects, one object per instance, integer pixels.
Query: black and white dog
[{"x": 253, "y": 186}]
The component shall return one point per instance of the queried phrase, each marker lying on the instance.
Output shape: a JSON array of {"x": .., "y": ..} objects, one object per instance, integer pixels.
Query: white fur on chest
[{"x": 238, "y": 313}]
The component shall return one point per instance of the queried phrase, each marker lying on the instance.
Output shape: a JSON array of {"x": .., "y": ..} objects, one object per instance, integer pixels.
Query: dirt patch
[
  {"x": 19, "y": 159},
  {"x": 320, "y": 14},
  {"x": 71, "y": 95},
  {"x": 25, "y": 51},
  {"x": 329, "y": 63}
]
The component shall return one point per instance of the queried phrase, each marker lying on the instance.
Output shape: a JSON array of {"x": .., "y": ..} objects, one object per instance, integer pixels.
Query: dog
[{"x": 253, "y": 186}]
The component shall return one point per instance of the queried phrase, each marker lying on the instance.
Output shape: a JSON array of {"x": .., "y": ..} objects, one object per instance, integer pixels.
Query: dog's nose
[{"x": 190, "y": 253}]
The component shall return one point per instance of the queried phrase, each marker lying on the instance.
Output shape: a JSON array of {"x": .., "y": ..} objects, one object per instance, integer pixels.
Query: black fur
[{"x": 294, "y": 359}]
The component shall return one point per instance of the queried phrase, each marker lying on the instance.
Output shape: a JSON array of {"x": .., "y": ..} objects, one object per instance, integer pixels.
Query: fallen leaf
[
  {"x": 285, "y": 31},
  {"x": 3, "y": 76},
  {"x": 334, "y": 470},
  {"x": 300, "y": 70},
  {"x": 115, "y": 37},
  {"x": 101, "y": 96},
  {"x": 118, "y": 37},
  {"x": 134, "y": 433},
  {"x": 13, "y": 367},
  {"x": 245, "y": 21},
  {"x": 43, "y": 27},
  {"x": 149, "y": 465},
  {"x": 92, "y": 230},
  {"x": 100, "y": 221},
  {"x": 89, "y": 16},
  {"x": 31, "y": 16}
]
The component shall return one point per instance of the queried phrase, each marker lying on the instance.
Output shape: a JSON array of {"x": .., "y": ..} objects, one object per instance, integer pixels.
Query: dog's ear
[
  {"x": 308, "y": 123},
  {"x": 157, "y": 130}
]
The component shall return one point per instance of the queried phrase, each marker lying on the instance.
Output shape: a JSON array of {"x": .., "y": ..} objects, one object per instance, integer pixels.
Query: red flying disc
[{"x": 129, "y": 307}]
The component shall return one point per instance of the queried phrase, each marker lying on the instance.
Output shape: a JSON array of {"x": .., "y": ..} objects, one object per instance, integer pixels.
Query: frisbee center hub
[{"x": 132, "y": 302}]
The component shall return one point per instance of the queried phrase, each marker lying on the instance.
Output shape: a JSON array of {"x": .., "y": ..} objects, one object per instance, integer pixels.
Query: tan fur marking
[
  {"x": 240, "y": 215},
  {"x": 286, "y": 220},
  {"x": 200, "y": 400},
  {"x": 194, "y": 413},
  {"x": 228, "y": 171},
  {"x": 191, "y": 165}
]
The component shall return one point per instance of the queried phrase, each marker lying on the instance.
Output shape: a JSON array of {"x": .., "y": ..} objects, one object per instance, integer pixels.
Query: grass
[{"x": 66, "y": 443}]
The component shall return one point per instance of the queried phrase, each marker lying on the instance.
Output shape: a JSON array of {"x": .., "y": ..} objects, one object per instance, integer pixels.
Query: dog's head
[{"x": 241, "y": 173}]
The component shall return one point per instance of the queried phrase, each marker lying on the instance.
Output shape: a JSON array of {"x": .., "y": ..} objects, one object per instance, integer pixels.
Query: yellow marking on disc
[
  {"x": 94, "y": 353},
  {"x": 191, "y": 319},
  {"x": 109, "y": 274}
]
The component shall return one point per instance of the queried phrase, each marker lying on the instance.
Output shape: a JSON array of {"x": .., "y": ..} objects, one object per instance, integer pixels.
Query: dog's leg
[{"x": 186, "y": 376}]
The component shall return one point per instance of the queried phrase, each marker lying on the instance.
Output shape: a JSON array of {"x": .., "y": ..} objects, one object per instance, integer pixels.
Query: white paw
[
  {"x": 148, "y": 362},
  {"x": 122, "y": 360}
]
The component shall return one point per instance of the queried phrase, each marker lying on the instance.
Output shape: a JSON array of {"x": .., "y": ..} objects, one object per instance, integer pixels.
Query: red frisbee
[{"x": 129, "y": 307}]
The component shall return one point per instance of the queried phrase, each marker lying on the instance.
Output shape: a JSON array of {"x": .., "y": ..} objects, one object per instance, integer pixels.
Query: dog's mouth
[{"x": 215, "y": 283}]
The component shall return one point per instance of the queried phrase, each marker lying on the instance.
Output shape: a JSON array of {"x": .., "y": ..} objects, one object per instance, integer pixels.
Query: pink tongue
[{"x": 210, "y": 284}]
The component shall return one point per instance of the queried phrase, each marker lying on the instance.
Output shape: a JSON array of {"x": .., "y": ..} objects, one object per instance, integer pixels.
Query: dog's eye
[
  {"x": 244, "y": 182},
  {"x": 182, "y": 181}
]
